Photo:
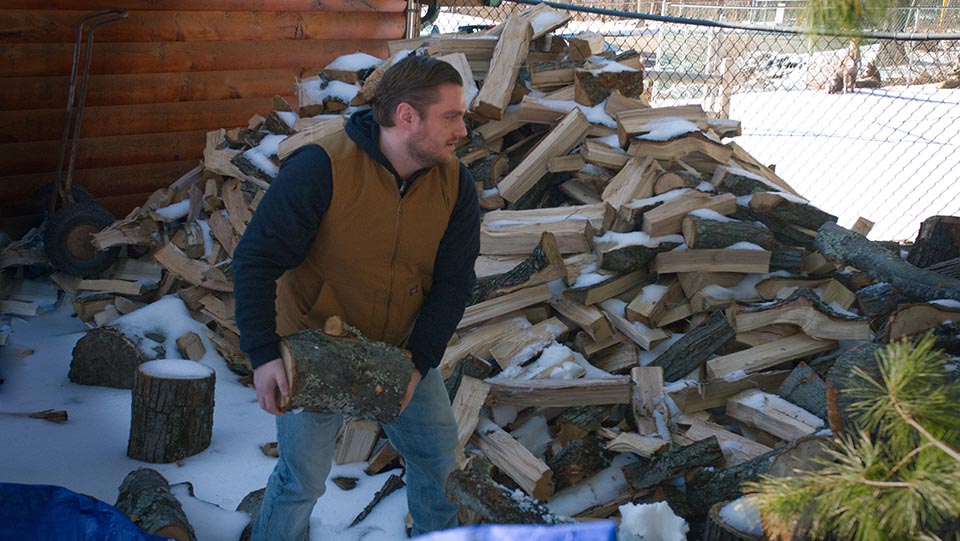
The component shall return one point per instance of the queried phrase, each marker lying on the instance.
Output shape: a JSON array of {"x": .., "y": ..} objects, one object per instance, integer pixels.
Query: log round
[
  {"x": 938, "y": 241},
  {"x": 718, "y": 530},
  {"x": 172, "y": 415},
  {"x": 106, "y": 357},
  {"x": 361, "y": 378},
  {"x": 145, "y": 497}
]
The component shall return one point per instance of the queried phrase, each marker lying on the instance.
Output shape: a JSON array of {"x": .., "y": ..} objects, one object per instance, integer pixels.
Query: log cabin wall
[{"x": 159, "y": 80}]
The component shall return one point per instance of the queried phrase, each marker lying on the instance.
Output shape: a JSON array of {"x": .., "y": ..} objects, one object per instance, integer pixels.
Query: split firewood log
[
  {"x": 362, "y": 378},
  {"x": 145, "y": 497}
]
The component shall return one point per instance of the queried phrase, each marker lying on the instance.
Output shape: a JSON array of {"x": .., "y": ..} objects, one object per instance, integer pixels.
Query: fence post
[{"x": 726, "y": 87}]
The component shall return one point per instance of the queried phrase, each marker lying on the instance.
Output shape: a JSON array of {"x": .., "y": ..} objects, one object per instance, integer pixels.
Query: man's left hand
[{"x": 411, "y": 388}]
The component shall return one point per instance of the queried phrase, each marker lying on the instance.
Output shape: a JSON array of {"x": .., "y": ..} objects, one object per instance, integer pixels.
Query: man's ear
[{"x": 405, "y": 115}]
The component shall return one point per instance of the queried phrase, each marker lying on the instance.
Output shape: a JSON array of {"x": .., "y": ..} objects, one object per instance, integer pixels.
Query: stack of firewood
[{"x": 654, "y": 303}]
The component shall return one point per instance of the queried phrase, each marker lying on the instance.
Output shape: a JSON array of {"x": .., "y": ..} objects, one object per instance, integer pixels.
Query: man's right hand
[{"x": 267, "y": 379}]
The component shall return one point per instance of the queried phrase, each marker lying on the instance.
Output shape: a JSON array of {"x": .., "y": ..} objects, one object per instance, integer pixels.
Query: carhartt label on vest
[{"x": 414, "y": 290}]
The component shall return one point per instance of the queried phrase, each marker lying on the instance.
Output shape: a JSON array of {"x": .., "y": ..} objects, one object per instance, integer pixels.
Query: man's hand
[
  {"x": 411, "y": 388},
  {"x": 267, "y": 379}
]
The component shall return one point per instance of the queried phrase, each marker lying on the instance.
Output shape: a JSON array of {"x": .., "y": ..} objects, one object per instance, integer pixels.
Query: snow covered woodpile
[{"x": 659, "y": 316}]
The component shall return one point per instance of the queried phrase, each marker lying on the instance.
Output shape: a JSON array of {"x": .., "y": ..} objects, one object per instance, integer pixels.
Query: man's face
[{"x": 433, "y": 140}]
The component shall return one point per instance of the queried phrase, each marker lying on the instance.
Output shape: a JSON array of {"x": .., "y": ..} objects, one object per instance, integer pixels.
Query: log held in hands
[{"x": 361, "y": 378}]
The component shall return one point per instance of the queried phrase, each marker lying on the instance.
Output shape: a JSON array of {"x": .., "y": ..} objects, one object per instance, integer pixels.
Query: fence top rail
[{"x": 900, "y": 36}]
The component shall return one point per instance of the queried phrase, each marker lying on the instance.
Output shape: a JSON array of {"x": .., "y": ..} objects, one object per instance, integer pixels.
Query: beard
[{"x": 428, "y": 157}]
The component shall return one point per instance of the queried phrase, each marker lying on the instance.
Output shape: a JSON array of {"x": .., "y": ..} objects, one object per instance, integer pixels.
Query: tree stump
[
  {"x": 145, "y": 497},
  {"x": 172, "y": 410},
  {"x": 938, "y": 241},
  {"x": 106, "y": 357},
  {"x": 361, "y": 378}
]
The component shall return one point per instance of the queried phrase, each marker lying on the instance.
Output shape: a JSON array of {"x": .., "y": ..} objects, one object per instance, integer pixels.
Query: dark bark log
[
  {"x": 647, "y": 473},
  {"x": 107, "y": 357},
  {"x": 804, "y": 388},
  {"x": 472, "y": 366},
  {"x": 879, "y": 299},
  {"x": 577, "y": 460},
  {"x": 708, "y": 487},
  {"x": 717, "y": 530},
  {"x": 248, "y": 168},
  {"x": 948, "y": 338},
  {"x": 695, "y": 347},
  {"x": 806, "y": 216},
  {"x": 781, "y": 230},
  {"x": 172, "y": 417},
  {"x": 393, "y": 483},
  {"x": 841, "y": 377},
  {"x": 490, "y": 170},
  {"x": 701, "y": 233},
  {"x": 787, "y": 258},
  {"x": 473, "y": 489},
  {"x": 949, "y": 268},
  {"x": 276, "y": 125},
  {"x": 631, "y": 258},
  {"x": 361, "y": 378},
  {"x": 145, "y": 497},
  {"x": 742, "y": 184},
  {"x": 543, "y": 265},
  {"x": 592, "y": 88},
  {"x": 251, "y": 506},
  {"x": 938, "y": 241},
  {"x": 855, "y": 250}
]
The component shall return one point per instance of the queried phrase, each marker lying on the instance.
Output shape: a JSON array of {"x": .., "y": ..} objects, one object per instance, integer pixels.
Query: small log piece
[
  {"x": 593, "y": 86},
  {"x": 105, "y": 356},
  {"x": 938, "y": 241},
  {"x": 145, "y": 497},
  {"x": 250, "y": 504},
  {"x": 364, "y": 379},
  {"x": 695, "y": 347},
  {"x": 840, "y": 378},
  {"x": 172, "y": 412},
  {"x": 472, "y": 488}
]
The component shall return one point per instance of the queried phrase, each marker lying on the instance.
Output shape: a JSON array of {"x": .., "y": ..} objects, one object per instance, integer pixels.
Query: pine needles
[{"x": 898, "y": 477}]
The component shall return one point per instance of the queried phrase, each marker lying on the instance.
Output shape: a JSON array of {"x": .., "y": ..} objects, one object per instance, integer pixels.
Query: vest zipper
[{"x": 393, "y": 262}]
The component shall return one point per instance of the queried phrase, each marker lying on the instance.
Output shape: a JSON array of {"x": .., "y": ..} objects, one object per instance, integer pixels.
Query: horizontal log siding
[{"x": 159, "y": 80}]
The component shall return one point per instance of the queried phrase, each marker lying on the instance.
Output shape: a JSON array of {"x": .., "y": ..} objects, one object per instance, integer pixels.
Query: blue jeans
[{"x": 425, "y": 434}]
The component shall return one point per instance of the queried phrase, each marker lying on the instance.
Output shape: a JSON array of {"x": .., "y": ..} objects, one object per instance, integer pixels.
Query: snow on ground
[
  {"x": 87, "y": 454},
  {"x": 891, "y": 155}
]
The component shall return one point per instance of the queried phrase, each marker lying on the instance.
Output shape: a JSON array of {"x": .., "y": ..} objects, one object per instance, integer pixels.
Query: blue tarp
[
  {"x": 603, "y": 530},
  {"x": 52, "y": 513}
]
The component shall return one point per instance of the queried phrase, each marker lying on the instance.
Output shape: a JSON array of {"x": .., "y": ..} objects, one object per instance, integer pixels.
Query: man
[{"x": 378, "y": 224}]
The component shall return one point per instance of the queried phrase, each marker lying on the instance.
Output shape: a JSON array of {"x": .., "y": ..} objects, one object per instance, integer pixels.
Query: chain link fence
[{"x": 862, "y": 128}]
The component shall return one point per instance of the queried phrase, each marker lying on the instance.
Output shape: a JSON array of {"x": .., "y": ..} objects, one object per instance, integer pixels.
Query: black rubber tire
[
  {"x": 64, "y": 240},
  {"x": 41, "y": 197}
]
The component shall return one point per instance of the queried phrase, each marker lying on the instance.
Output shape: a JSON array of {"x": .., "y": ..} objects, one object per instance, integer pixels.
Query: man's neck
[{"x": 395, "y": 150}]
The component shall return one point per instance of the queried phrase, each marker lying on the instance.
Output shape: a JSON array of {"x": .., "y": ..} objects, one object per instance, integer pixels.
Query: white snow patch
[
  {"x": 664, "y": 129},
  {"x": 175, "y": 369},
  {"x": 175, "y": 211},
  {"x": 635, "y": 238},
  {"x": 707, "y": 214},
  {"x": 354, "y": 62},
  {"x": 651, "y": 522},
  {"x": 946, "y": 303},
  {"x": 744, "y": 245}
]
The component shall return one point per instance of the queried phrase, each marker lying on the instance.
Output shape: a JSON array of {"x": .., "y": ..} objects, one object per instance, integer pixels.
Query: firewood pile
[{"x": 658, "y": 314}]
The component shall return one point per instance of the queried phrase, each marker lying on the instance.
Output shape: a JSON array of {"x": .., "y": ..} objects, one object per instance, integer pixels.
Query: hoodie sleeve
[
  {"x": 453, "y": 279},
  {"x": 278, "y": 239}
]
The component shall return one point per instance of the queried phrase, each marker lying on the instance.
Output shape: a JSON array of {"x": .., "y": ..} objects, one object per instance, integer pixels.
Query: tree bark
[
  {"x": 701, "y": 233},
  {"x": 647, "y": 473},
  {"x": 788, "y": 258},
  {"x": 105, "y": 356},
  {"x": 172, "y": 417},
  {"x": 577, "y": 460},
  {"x": 855, "y": 250},
  {"x": 145, "y": 497},
  {"x": 938, "y": 241},
  {"x": 543, "y": 265},
  {"x": 361, "y": 378},
  {"x": 840, "y": 378},
  {"x": 951, "y": 267},
  {"x": 251, "y": 505},
  {"x": 879, "y": 299},
  {"x": 631, "y": 258},
  {"x": 695, "y": 347},
  {"x": 473, "y": 489},
  {"x": 781, "y": 230},
  {"x": 806, "y": 216},
  {"x": 804, "y": 388}
]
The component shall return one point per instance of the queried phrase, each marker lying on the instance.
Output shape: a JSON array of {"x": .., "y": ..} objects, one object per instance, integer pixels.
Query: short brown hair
[{"x": 413, "y": 80}]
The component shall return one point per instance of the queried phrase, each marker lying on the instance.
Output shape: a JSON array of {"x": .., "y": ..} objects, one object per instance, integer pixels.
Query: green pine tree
[{"x": 898, "y": 477}]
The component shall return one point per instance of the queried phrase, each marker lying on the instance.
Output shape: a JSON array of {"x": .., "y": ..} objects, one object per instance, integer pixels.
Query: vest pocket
[{"x": 359, "y": 307}]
